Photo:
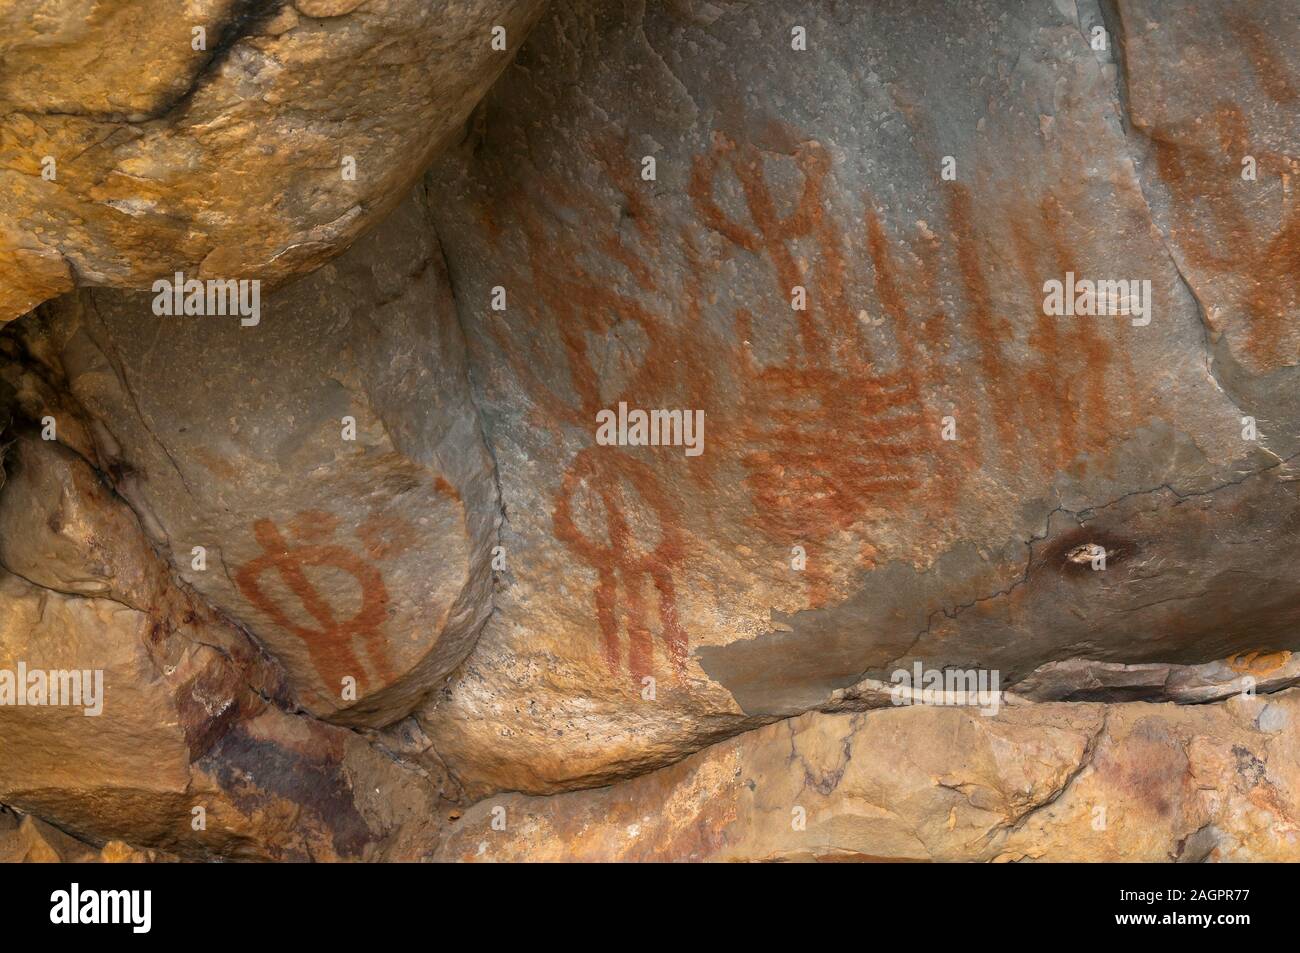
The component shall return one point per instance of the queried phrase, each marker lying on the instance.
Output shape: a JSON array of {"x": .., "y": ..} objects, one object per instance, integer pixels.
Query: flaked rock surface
[
  {"x": 376, "y": 572},
  {"x": 1046, "y": 782},
  {"x": 840, "y": 256},
  {"x": 179, "y": 738},
  {"x": 233, "y": 139},
  {"x": 320, "y": 477}
]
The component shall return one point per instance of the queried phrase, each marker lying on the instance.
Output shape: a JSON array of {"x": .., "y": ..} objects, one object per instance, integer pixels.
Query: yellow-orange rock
[
  {"x": 221, "y": 138},
  {"x": 1050, "y": 782}
]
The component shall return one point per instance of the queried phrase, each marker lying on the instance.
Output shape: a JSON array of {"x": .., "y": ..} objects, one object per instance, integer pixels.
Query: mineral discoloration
[
  {"x": 800, "y": 272},
  {"x": 362, "y": 559},
  {"x": 221, "y": 155},
  {"x": 933, "y": 784},
  {"x": 367, "y": 572}
]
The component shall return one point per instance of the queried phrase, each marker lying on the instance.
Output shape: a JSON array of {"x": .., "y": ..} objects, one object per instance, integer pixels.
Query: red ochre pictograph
[
  {"x": 603, "y": 489},
  {"x": 331, "y": 643},
  {"x": 835, "y": 425},
  {"x": 643, "y": 571}
]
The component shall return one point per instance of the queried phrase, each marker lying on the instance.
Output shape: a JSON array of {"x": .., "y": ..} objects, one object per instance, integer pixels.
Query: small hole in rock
[{"x": 1085, "y": 554}]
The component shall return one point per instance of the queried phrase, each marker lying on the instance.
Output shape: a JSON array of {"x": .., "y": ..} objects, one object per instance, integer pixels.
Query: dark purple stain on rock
[{"x": 251, "y": 771}]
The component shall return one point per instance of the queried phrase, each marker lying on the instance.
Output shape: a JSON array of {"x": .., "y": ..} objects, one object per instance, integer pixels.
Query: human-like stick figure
[{"x": 330, "y": 646}]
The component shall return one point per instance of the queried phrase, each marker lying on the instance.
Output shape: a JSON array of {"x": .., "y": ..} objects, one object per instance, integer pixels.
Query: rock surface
[
  {"x": 132, "y": 148},
  {"x": 29, "y": 840},
  {"x": 365, "y": 577},
  {"x": 800, "y": 269},
  {"x": 190, "y": 714},
  {"x": 1049, "y": 782},
  {"x": 1220, "y": 169},
  {"x": 328, "y": 462}
]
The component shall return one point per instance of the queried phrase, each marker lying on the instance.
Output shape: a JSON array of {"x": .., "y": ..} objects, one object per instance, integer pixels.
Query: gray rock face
[
  {"x": 161, "y": 724},
  {"x": 327, "y": 461},
  {"x": 731, "y": 361},
  {"x": 1218, "y": 164},
  {"x": 841, "y": 259},
  {"x": 1086, "y": 680}
]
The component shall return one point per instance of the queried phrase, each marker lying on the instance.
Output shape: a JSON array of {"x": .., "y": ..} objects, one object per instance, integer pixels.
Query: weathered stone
[
  {"x": 1086, "y": 680},
  {"x": 183, "y": 714},
  {"x": 29, "y": 840},
  {"x": 133, "y": 148},
  {"x": 800, "y": 269},
  {"x": 1218, "y": 163},
  {"x": 61, "y": 529},
  {"x": 829, "y": 240},
  {"x": 1052, "y": 782},
  {"x": 328, "y": 460}
]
